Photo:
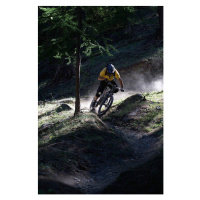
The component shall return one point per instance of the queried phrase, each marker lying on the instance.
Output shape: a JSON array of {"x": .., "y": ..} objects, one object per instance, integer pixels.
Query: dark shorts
[{"x": 102, "y": 87}]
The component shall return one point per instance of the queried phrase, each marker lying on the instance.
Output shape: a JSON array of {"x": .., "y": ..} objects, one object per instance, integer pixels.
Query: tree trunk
[{"x": 78, "y": 61}]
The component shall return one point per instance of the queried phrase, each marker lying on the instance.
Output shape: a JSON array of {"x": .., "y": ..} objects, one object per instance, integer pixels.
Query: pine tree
[{"x": 69, "y": 33}]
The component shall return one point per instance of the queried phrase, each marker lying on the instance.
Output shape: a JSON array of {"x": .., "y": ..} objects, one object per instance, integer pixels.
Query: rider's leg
[
  {"x": 100, "y": 89},
  {"x": 94, "y": 101},
  {"x": 114, "y": 83},
  {"x": 95, "y": 98}
]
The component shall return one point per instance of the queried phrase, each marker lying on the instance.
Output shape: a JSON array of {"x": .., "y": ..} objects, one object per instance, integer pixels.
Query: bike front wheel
[{"x": 105, "y": 105}]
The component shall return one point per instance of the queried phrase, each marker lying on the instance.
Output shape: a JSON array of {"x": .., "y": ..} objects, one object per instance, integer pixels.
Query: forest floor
[{"x": 118, "y": 154}]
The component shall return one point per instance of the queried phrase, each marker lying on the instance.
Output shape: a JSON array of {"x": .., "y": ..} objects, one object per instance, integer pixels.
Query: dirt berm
[{"x": 85, "y": 155}]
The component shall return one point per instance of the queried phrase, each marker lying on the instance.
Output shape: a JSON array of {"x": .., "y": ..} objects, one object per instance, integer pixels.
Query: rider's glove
[{"x": 122, "y": 89}]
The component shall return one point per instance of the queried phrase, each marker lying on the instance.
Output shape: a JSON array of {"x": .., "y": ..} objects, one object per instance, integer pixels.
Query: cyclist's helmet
[{"x": 110, "y": 69}]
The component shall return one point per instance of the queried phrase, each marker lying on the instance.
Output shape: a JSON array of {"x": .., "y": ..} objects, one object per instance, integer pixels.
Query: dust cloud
[
  {"x": 144, "y": 79},
  {"x": 146, "y": 85},
  {"x": 156, "y": 85},
  {"x": 131, "y": 87},
  {"x": 135, "y": 81}
]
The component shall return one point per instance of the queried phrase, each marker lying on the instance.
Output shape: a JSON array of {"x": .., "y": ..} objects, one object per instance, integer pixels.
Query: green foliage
[{"x": 58, "y": 29}]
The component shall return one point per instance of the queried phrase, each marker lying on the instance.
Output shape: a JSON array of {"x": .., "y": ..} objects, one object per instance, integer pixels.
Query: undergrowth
[{"x": 139, "y": 115}]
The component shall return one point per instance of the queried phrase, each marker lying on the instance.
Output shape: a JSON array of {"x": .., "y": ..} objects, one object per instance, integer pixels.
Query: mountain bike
[{"x": 105, "y": 100}]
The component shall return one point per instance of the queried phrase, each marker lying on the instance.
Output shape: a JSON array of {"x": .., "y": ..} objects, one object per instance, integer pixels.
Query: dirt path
[
  {"x": 144, "y": 147},
  {"x": 85, "y": 102}
]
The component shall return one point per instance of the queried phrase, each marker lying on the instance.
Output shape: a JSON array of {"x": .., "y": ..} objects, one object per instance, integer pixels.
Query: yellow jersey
[{"x": 111, "y": 77}]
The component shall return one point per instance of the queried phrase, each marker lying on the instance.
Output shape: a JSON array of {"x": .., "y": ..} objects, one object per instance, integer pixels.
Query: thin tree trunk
[{"x": 78, "y": 62}]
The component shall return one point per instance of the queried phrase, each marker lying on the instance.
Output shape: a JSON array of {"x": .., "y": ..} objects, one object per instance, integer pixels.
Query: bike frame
[{"x": 106, "y": 93}]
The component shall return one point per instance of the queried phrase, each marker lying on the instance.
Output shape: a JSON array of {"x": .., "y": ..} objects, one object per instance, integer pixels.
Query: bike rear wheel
[{"x": 105, "y": 105}]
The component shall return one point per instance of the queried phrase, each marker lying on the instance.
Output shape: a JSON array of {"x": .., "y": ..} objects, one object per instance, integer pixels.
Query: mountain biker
[{"x": 106, "y": 76}]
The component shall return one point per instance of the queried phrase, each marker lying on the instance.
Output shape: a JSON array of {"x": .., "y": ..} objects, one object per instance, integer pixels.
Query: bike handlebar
[{"x": 122, "y": 90}]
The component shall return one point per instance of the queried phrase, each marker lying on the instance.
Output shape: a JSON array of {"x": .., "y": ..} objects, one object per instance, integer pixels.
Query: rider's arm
[
  {"x": 102, "y": 74},
  {"x": 100, "y": 78},
  {"x": 121, "y": 83}
]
